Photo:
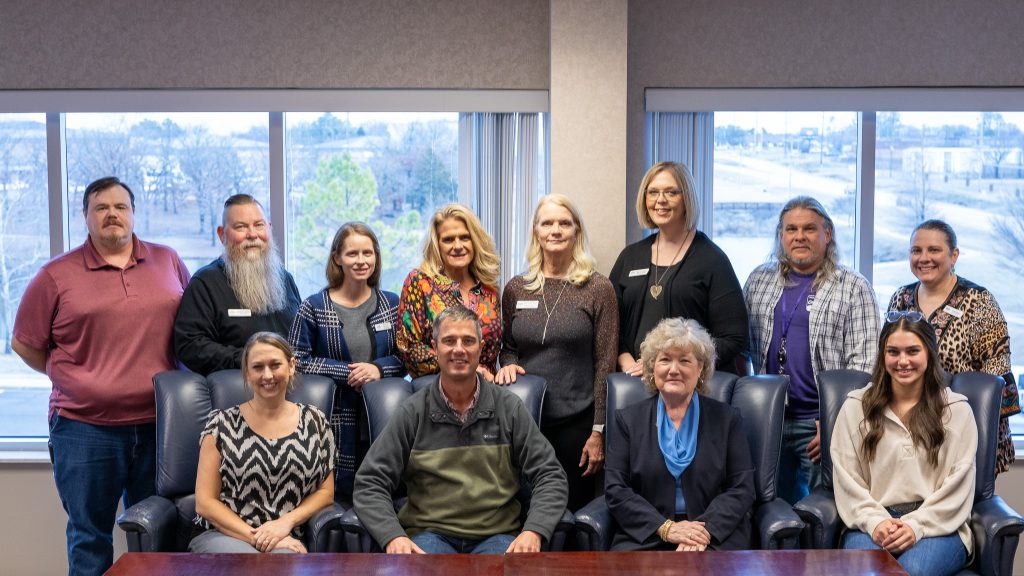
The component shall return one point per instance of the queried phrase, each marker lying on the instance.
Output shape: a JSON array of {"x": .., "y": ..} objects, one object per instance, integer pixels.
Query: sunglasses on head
[{"x": 910, "y": 315}]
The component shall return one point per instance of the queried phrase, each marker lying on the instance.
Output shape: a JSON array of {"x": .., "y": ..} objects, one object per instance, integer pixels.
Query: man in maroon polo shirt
[{"x": 98, "y": 320}]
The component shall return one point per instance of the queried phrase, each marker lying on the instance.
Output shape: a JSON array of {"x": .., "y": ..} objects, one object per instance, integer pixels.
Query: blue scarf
[{"x": 678, "y": 446}]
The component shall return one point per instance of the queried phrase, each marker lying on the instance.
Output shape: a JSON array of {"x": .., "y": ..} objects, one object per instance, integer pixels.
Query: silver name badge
[
  {"x": 382, "y": 326},
  {"x": 239, "y": 312},
  {"x": 954, "y": 312},
  {"x": 527, "y": 305},
  {"x": 638, "y": 272}
]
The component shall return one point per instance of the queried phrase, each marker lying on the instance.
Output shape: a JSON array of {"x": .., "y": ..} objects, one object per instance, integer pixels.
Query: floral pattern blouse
[{"x": 424, "y": 297}]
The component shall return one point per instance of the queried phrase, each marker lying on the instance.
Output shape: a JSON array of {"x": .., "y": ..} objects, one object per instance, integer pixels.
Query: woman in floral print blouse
[{"x": 460, "y": 265}]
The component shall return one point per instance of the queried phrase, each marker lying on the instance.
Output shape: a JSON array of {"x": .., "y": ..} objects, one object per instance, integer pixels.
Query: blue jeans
[
  {"x": 434, "y": 543},
  {"x": 93, "y": 467},
  {"x": 935, "y": 556},
  {"x": 797, "y": 474}
]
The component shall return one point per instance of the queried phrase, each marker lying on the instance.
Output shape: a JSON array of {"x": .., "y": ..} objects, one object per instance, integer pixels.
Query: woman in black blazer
[{"x": 681, "y": 477}]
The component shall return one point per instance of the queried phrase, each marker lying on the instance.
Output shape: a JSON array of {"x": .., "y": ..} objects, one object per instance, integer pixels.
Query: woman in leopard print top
[{"x": 968, "y": 323}]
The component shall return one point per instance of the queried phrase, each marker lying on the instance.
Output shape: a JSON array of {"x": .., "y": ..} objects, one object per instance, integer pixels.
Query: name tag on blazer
[
  {"x": 381, "y": 326},
  {"x": 638, "y": 272},
  {"x": 239, "y": 312},
  {"x": 954, "y": 312},
  {"x": 527, "y": 305}
]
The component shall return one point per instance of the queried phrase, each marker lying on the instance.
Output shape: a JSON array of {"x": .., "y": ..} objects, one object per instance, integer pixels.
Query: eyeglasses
[
  {"x": 668, "y": 193},
  {"x": 910, "y": 315}
]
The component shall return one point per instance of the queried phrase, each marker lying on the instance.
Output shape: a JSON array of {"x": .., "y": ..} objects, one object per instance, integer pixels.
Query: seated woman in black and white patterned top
[{"x": 265, "y": 466}]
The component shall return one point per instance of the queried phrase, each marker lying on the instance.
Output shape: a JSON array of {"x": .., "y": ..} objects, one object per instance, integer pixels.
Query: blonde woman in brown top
[{"x": 561, "y": 322}]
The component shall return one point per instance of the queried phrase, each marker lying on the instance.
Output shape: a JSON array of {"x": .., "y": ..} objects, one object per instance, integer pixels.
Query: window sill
[{"x": 24, "y": 451}]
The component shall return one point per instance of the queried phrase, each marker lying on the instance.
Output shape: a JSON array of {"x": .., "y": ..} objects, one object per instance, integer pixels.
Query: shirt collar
[
  {"x": 461, "y": 416},
  {"x": 94, "y": 260}
]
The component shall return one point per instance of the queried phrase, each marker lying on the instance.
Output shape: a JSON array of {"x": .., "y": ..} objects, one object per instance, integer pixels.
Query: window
[
  {"x": 24, "y": 246},
  {"x": 897, "y": 157},
  {"x": 391, "y": 161},
  {"x": 180, "y": 167},
  {"x": 762, "y": 159},
  {"x": 391, "y": 171}
]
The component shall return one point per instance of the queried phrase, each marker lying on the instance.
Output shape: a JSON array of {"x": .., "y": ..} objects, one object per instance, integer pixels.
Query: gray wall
[{"x": 274, "y": 44}]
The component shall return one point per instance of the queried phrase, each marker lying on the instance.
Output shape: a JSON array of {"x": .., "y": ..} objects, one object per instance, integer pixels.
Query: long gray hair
[{"x": 831, "y": 262}]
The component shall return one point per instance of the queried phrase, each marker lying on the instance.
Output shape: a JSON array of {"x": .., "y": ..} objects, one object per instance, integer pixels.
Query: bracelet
[{"x": 663, "y": 530}]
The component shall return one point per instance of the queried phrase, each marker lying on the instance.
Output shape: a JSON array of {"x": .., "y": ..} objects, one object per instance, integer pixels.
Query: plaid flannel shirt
[{"x": 844, "y": 319}]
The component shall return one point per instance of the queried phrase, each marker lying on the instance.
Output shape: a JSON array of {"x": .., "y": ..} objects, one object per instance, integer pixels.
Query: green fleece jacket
[{"x": 462, "y": 479}]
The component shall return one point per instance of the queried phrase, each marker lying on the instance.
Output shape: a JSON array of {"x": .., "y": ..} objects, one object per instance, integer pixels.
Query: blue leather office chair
[
  {"x": 996, "y": 527},
  {"x": 761, "y": 401},
  {"x": 382, "y": 400},
  {"x": 184, "y": 400}
]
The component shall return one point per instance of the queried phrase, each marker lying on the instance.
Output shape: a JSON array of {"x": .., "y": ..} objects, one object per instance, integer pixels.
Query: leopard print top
[{"x": 972, "y": 336}]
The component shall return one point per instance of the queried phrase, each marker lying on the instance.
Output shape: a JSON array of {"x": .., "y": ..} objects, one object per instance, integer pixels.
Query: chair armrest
[
  {"x": 357, "y": 539},
  {"x": 565, "y": 529},
  {"x": 149, "y": 525},
  {"x": 594, "y": 526},
  {"x": 323, "y": 530},
  {"x": 996, "y": 528},
  {"x": 778, "y": 526},
  {"x": 818, "y": 510}
]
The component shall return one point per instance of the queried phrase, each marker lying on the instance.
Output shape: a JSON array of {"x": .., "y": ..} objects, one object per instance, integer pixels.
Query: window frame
[
  {"x": 866, "y": 102},
  {"x": 55, "y": 104}
]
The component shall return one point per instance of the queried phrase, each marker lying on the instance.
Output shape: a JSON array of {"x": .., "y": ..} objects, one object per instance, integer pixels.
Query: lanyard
[{"x": 781, "y": 356}]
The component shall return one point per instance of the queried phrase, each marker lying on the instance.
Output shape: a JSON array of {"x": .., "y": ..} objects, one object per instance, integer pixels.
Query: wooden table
[{"x": 788, "y": 563}]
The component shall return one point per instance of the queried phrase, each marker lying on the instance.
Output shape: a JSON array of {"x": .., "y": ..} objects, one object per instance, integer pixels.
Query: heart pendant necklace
[{"x": 656, "y": 287}]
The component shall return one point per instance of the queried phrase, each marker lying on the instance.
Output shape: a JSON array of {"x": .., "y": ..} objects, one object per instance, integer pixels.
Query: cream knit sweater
[{"x": 900, "y": 472}]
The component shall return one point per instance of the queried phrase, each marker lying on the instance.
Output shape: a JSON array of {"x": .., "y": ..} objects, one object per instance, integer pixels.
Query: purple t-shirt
[{"x": 793, "y": 320}]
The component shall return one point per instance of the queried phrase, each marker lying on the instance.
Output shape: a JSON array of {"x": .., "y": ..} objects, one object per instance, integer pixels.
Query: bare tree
[
  {"x": 206, "y": 163},
  {"x": 23, "y": 243},
  {"x": 999, "y": 139},
  {"x": 1009, "y": 229},
  {"x": 917, "y": 197}
]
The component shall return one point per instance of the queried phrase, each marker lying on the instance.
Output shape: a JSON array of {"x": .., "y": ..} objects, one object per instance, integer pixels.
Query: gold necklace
[
  {"x": 544, "y": 299},
  {"x": 656, "y": 288}
]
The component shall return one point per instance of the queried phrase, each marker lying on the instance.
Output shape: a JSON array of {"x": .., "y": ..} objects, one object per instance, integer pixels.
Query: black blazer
[{"x": 718, "y": 484}]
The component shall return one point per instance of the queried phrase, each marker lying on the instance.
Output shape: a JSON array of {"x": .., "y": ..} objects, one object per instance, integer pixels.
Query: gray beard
[{"x": 258, "y": 283}]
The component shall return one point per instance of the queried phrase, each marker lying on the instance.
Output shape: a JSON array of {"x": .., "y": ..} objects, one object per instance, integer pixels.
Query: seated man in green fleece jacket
[{"x": 460, "y": 446}]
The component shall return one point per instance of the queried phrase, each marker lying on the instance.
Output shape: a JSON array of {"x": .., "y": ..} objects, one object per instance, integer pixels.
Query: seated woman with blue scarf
[{"x": 681, "y": 477}]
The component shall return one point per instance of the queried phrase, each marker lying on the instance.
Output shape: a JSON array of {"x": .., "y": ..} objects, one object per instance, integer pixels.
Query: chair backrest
[
  {"x": 530, "y": 388},
  {"x": 184, "y": 401},
  {"x": 623, "y": 390},
  {"x": 382, "y": 399},
  {"x": 722, "y": 385},
  {"x": 182, "y": 407},
  {"x": 833, "y": 386},
  {"x": 227, "y": 390},
  {"x": 761, "y": 401},
  {"x": 985, "y": 394}
]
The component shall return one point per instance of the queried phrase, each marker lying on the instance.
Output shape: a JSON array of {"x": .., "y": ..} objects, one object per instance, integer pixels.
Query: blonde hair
[
  {"x": 583, "y": 264},
  {"x": 486, "y": 264},
  {"x": 679, "y": 333},
  {"x": 681, "y": 174}
]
